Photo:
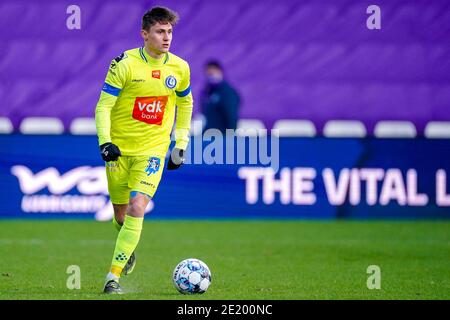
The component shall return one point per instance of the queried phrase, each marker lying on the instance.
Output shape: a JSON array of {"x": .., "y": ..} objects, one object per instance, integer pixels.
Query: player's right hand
[{"x": 110, "y": 152}]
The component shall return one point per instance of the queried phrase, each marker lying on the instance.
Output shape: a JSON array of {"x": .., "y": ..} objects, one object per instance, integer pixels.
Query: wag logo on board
[
  {"x": 80, "y": 190},
  {"x": 150, "y": 109}
]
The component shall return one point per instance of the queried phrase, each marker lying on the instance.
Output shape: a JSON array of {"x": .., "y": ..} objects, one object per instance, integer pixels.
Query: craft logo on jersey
[
  {"x": 156, "y": 74},
  {"x": 171, "y": 82},
  {"x": 150, "y": 109},
  {"x": 153, "y": 165}
]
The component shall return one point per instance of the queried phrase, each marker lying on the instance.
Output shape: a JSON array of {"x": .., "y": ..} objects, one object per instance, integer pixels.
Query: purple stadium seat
[
  {"x": 116, "y": 20},
  {"x": 22, "y": 96}
]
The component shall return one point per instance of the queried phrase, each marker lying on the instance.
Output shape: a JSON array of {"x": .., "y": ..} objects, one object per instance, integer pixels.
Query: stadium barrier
[{"x": 63, "y": 176}]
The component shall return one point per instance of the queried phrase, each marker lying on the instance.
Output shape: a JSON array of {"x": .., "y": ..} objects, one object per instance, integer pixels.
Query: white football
[{"x": 191, "y": 276}]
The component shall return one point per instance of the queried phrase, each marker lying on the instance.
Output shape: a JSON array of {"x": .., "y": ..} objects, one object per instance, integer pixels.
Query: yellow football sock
[
  {"x": 126, "y": 243},
  {"x": 116, "y": 224}
]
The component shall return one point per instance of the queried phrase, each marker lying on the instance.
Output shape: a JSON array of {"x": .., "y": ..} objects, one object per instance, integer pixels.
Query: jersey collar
[{"x": 148, "y": 59}]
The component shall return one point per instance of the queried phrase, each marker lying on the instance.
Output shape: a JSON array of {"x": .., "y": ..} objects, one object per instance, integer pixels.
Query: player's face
[{"x": 158, "y": 37}]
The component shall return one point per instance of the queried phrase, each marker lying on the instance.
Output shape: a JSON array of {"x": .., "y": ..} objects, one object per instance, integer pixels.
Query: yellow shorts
[{"x": 140, "y": 173}]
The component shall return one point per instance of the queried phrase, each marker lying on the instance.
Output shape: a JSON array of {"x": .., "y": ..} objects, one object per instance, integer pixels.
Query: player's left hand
[{"x": 176, "y": 159}]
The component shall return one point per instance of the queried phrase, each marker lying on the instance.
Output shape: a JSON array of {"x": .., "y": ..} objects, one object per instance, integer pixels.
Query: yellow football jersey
[{"x": 136, "y": 109}]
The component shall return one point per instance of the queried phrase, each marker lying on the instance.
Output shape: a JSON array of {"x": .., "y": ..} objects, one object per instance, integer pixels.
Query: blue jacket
[{"x": 220, "y": 105}]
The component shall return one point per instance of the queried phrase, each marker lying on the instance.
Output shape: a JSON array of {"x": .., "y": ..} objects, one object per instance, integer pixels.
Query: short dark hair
[
  {"x": 162, "y": 15},
  {"x": 214, "y": 63}
]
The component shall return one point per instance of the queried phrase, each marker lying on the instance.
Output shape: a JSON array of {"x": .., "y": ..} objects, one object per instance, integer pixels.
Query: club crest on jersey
[
  {"x": 171, "y": 82},
  {"x": 153, "y": 165}
]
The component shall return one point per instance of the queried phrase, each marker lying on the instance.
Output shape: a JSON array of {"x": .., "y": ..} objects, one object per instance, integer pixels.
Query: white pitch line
[
  {"x": 25, "y": 242},
  {"x": 34, "y": 242}
]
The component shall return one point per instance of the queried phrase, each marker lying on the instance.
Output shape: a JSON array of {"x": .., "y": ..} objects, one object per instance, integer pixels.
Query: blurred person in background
[{"x": 219, "y": 100}]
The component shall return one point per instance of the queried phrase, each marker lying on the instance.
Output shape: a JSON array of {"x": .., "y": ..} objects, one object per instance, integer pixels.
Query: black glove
[
  {"x": 176, "y": 159},
  {"x": 110, "y": 152}
]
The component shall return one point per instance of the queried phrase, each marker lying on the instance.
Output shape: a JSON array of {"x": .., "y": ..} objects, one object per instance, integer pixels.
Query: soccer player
[{"x": 144, "y": 88}]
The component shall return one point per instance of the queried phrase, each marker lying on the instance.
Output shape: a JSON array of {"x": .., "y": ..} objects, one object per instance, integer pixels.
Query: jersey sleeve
[
  {"x": 184, "y": 104},
  {"x": 114, "y": 83}
]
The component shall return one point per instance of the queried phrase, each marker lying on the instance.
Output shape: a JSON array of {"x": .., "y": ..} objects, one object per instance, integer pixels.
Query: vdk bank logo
[{"x": 79, "y": 190}]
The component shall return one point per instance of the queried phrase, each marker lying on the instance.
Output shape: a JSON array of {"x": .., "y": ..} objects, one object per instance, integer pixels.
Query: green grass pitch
[{"x": 248, "y": 259}]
